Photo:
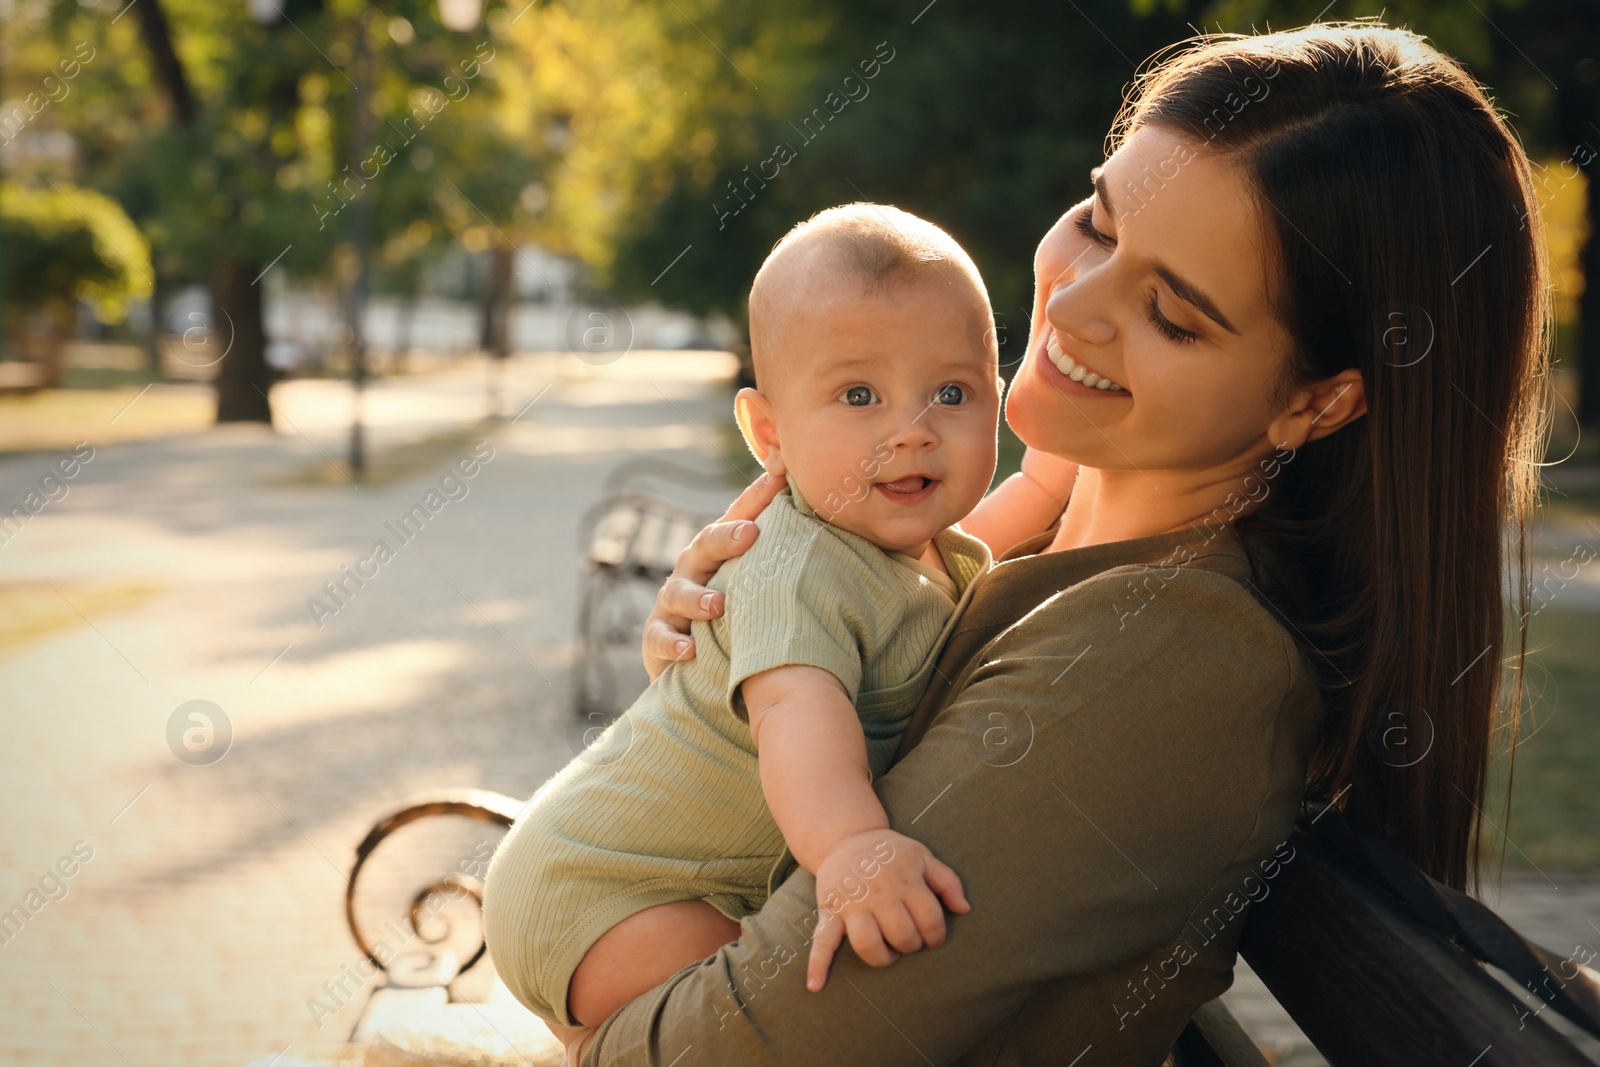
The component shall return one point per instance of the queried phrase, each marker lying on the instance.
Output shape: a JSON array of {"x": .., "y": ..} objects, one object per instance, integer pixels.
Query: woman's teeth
[{"x": 1077, "y": 372}]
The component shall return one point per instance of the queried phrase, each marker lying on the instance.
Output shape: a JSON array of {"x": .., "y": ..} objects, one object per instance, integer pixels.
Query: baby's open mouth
[{"x": 908, "y": 490}]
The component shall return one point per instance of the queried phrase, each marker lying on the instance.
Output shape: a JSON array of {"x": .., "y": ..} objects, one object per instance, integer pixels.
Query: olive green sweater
[{"x": 1111, "y": 755}]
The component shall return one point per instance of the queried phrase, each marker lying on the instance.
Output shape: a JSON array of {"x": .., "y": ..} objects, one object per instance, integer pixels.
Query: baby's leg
[{"x": 641, "y": 952}]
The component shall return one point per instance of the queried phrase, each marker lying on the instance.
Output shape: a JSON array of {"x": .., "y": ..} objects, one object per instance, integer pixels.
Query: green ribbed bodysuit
[{"x": 667, "y": 805}]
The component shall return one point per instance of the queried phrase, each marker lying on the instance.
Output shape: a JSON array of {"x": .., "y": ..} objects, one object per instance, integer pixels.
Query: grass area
[
  {"x": 1572, "y": 503},
  {"x": 1555, "y": 791},
  {"x": 30, "y": 610},
  {"x": 1555, "y": 810},
  {"x": 107, "y": 377},
  {"x": 56, "y": 419}
]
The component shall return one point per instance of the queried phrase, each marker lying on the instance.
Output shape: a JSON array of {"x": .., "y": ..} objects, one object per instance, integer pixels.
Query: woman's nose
[{"x": 1069, "y": 313}]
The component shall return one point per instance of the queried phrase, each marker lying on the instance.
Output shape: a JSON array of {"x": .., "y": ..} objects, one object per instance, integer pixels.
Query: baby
[{"x": 877, "y": 397}]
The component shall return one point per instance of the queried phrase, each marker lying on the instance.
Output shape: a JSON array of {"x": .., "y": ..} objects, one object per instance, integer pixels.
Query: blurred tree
[
  {"x": 1546, "y": 56},
  {"x": 618, "y": 98},
  {"x": 983, "y": 118},
  {"x": 681, "y": 172},
  {"x": 666, "y": 146},
  {"x": 237, "y": 135},
  {"x": 61, "y": 247}
]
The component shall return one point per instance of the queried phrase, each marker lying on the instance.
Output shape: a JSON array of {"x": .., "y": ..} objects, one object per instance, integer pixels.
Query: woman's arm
[{"x": 1142, "y": 787}]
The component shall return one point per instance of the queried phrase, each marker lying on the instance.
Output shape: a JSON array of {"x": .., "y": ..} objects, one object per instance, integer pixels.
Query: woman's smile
[{"x": 1073, "y": 375}]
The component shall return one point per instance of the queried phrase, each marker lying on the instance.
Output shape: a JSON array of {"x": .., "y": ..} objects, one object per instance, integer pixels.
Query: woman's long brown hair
[{"x": 1401, "y": 211}]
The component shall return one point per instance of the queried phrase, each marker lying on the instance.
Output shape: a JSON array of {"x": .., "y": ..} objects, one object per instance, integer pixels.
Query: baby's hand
[
  {"x": 883, "y": 889},
  {"x": 1056, "y": 476}
]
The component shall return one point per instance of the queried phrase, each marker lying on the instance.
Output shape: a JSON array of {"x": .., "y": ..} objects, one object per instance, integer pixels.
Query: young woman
[{"x": 1314, "y": 268}]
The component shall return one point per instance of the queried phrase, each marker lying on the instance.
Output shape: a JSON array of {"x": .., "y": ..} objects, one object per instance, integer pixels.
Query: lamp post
[
  {"x": 456, "y": 15},
  {"x": 361, "y": 238}
]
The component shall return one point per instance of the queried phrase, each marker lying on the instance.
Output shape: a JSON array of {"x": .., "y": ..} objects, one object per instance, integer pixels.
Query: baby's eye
[
  {"x": 858, "y": 396},
  {"x": 950, "y": 394}
]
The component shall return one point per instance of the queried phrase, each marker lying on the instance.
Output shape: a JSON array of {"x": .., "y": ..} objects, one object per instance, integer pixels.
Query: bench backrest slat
[{"x": 1370, "y": 985}]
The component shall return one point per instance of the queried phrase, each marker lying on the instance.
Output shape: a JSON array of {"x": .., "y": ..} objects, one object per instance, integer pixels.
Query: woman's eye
[
  {"x": 1085, "y": 224},
  {"x": 1170, "y": 330},
  {"x": 858, "y": 396},
  {"x": 950, "y": 394}
]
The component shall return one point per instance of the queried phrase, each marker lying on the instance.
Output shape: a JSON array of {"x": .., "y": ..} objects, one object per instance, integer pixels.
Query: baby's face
[{"x": 887, "y": 409}]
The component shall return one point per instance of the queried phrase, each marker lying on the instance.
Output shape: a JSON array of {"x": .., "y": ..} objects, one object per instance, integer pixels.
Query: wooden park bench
[{"x": 1375, "y": 963}]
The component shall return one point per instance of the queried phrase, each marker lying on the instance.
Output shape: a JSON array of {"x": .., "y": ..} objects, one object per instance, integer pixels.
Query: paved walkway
[
  {"x": 210, "y": 910},
  {"x": 202, "y": 918}
]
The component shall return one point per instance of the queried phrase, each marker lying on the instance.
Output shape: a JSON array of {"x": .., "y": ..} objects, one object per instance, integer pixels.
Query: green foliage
[
  {"x": 985, "y": 119},
  {"x": 619, "y": 99},
  {"x": 1554, "y": 804},
  {"x": 627, "y": 133},
  {"x": 279, "y": 150},
  {"x": 1461, "y": 30},
  {"x": 67, "y": 244}
]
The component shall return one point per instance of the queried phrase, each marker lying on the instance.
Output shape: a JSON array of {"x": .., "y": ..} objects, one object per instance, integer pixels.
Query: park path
[
  {"x": 210, "y": 911},
  {"x": 208, "y": 915}
]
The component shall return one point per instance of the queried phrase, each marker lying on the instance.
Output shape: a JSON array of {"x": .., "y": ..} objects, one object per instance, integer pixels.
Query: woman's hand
[{"x": 684, "y": 596}]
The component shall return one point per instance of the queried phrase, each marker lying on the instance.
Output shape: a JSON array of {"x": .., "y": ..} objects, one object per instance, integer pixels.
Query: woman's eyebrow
[
  {"x": 1097, "y": 175},
  {"x": 1185, "y": 291},
  {"x": 1190, "y": 294}
]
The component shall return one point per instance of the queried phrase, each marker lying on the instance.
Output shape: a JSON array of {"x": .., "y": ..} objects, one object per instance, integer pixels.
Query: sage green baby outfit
[{"x": 667, "y": 804}]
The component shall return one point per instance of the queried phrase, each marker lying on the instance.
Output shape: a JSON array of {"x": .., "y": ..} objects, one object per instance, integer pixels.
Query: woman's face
[{"x": 1163, "y": 291}]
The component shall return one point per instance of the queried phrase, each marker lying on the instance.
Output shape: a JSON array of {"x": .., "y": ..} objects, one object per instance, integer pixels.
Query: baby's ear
[{"x": 753, "y": 411}]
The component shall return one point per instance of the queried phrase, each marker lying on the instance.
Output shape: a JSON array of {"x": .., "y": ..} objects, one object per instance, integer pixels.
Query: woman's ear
[
  {"x": 1320, "y": 411},
  {"x": 753, "y": 411}
]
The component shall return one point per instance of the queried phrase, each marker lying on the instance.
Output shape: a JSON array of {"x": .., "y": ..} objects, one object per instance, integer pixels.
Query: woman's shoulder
[
  {"x": 1182, "y": 671},
  {"x": 1199, "y": 599}
]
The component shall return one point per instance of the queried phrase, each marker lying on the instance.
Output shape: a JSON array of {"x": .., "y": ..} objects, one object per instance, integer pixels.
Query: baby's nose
[{"x": 915, "y": 432}]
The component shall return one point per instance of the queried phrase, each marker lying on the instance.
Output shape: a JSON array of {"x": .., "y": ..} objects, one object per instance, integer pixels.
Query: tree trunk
[
  {"x": 157, "y": 33},
  {"x": 158, "y": 303},
  {"x": 407, "y": 326},
  {"x": 242, "y": 378},
  {"x": 496, "y": 337}
]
